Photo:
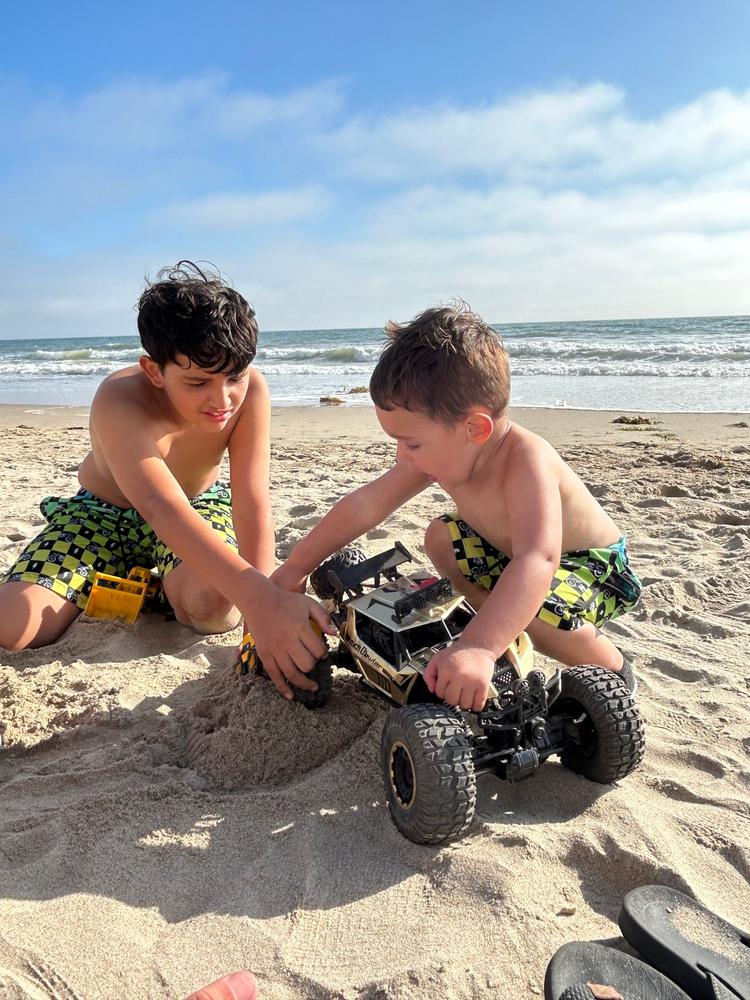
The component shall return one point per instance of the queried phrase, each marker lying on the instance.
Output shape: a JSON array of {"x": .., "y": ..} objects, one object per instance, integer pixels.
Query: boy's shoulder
[
  {"x": 127, "y": 401},
  {"x": 525, "y": 441},
  {"x": 127, "y": 387},
  {"x": 525, "y": 450}
]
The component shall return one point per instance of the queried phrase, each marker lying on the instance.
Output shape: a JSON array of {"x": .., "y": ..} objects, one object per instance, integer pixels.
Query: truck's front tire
[{"x": 428, "y": 770}]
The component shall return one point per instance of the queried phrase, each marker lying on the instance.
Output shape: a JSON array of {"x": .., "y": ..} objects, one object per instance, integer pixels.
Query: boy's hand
[
  {"x": 461, "y": 676},
  {"x": 285, "y": 639},
  {"x": 288, "y": 579}
]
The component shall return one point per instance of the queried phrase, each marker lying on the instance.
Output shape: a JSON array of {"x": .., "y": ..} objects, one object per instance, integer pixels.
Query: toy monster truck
[{"x": 431, "y": 753}]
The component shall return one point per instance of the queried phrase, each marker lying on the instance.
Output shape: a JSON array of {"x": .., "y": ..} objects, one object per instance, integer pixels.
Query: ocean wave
[
  {"x": 326, "y": 355},
  {"x": 74, "y": 355},
  {"x": 679, "y": 351},
  {"x": 276, "y": 368},
  {"x": 27, "y": 370},
  {"x": 550, "y": 366},
  {"x": 118, "y": 355},
  {"x": 626, "y": 369}
]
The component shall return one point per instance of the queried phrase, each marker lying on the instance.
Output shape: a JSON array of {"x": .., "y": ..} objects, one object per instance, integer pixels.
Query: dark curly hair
[
  {"x": 189, "y": 312},
  {"x": 443, "y": 363}
]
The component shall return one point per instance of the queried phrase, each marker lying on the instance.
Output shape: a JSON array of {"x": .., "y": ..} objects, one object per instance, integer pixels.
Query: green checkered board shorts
[
  {"x": 86, "y": 535},
  {"x": 590, "y": 585}
]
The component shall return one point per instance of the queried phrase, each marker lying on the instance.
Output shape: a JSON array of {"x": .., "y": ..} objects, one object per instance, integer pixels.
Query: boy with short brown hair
[
  {"x": 529, "y": 546},
  {"x": 149, "y": 494}
]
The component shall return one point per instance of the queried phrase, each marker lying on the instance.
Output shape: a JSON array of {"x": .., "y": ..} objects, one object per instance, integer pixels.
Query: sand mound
[{"x": 242, "y": 733}]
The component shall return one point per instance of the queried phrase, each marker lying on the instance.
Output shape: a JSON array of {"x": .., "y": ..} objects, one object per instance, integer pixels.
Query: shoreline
[{"x": 349, "y": 404}]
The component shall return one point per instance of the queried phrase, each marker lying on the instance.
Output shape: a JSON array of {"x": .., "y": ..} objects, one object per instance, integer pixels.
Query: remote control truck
[{"x": 390, "y": 626}]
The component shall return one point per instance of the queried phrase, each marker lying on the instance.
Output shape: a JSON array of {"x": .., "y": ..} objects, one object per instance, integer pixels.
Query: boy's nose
[{"x": 221, "y": 399}]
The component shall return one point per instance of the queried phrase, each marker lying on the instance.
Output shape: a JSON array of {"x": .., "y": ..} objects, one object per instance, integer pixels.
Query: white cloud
[
  {"x": 444, "y": 211},
  {"x": 574, "y": 132},
  {"x": 231, "y": 211},
  {"x": 311, "y": 108},
  {"x": 532, "y": 130},
  {"x": 142, "y": 116},
  {"x": 704, "y": 136},
  {"x": 508, "y": 277}
]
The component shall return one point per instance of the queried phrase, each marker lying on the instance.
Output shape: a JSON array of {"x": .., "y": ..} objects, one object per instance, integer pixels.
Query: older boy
[
  {"x": 529, "y": 546},
  {"x": 149, "y": 493}
]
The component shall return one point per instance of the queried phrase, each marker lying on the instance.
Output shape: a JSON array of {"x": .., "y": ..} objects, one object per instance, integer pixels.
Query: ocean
[{"x": 663, "y": 365}]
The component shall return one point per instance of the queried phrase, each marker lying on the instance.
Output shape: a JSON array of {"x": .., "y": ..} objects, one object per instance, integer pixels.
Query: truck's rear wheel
[
  {"x": 352, "y": 555},
  {"x": 606, "y": 728}
]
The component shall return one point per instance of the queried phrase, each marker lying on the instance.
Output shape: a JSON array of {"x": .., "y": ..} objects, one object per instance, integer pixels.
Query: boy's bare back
[{"x": 526, "y": 463}]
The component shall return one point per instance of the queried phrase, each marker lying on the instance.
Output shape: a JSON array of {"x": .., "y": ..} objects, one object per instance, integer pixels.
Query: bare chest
[{"x": 192, "y": 459}]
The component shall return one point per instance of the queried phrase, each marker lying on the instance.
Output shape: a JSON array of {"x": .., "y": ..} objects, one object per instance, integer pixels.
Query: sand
[{"x": 163, "y": 822}]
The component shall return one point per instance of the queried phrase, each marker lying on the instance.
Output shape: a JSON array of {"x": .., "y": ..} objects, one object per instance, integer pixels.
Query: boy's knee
[
  {"x": 206, "y": 611},
  {"x": 576, "y": 646}
]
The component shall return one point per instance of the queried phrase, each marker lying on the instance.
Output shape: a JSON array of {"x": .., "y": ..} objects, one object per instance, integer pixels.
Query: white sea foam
[{"x": 667, "y": 364}]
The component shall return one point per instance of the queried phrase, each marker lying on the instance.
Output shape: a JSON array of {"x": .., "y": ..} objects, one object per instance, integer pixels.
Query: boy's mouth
[{"x": 217, "y": 414}]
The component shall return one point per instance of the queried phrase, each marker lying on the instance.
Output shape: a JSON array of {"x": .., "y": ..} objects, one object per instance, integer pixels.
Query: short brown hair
[{"x": 443, "y": 363}]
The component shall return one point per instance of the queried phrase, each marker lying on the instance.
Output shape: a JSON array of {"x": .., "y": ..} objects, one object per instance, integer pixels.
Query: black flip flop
[
  {"x": 707, "y": 956},
  {"x": 584, "y": 970}
]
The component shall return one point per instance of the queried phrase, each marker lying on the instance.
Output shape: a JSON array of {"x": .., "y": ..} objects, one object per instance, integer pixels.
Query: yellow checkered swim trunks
[
  {"x": 86, "y": 535},
  {"x": 590, "y": 585}
]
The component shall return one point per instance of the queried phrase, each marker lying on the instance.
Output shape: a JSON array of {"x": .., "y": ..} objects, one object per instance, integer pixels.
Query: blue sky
[{"x": 344, "y": 163}]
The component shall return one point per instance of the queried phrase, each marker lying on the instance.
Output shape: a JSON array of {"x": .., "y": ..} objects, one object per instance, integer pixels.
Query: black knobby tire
[
  {"x": 343, "y": 559},
  {"x": 428, "y": 768},
  {"x": 322, "y": 674},
  {"x": 611, "y": 739}
]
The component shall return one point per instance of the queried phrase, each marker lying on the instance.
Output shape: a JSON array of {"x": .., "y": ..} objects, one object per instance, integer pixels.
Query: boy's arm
[
  {"x": 461, "y": 674},
  {"x": 249, "y": 463},
  {"x": 348, "y": 519},
  {"x": 279, "y": 621}
]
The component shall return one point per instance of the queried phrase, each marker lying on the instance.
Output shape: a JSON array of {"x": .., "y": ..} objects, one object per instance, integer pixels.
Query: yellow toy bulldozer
[{"x": 120, "y": 597}]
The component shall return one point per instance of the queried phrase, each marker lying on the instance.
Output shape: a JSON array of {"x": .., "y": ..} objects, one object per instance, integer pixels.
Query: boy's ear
[
  {"x": 152, "y": 370},
  {"x": 479, "y": 426}
]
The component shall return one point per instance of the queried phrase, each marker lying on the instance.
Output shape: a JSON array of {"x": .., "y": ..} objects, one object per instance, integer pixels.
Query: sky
[{"x": 344, "y": 163}]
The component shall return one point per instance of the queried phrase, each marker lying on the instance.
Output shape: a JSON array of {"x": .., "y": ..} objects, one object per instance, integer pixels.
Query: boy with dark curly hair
[
  {"x": 528, "y": 545},
  {"x": 149, "y": 492}
]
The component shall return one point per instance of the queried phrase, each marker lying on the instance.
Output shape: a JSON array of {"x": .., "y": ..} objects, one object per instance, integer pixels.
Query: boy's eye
[
  {"x": 196, "y": 385},
  {"x": 412, "y": 447}
]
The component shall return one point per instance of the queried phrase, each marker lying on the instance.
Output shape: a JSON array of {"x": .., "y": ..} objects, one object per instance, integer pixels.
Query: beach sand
[{"x": 163, "y": 822}]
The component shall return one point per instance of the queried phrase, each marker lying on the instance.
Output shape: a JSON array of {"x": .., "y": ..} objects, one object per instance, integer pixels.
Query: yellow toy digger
[{"x": 122, "y": 598}]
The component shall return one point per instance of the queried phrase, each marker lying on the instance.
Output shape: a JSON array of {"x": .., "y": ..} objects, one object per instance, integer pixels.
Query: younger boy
[
  {"x": 149, "y": 494},
  {"x": 529, "y": 546}
]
